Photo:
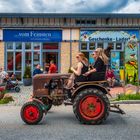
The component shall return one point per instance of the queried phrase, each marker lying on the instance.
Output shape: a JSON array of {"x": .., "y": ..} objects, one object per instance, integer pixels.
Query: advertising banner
[
  {"x": 32, "y": 35},
  {"x": 130, "y": 38},
  {"x": 107, "y": 35},
  {"x": 131, "y": 60},
  {"x": 115, "y": 62}
]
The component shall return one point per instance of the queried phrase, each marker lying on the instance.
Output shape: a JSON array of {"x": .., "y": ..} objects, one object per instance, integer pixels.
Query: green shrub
[
  {"x": 27, "y": 73},
  {"x": 6, "y": 100},
  {"x": 128, "y": 97}
]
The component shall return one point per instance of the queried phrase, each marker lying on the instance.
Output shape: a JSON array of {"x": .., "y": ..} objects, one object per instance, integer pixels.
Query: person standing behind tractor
[
  {"x": 3, "y": 75},
  {"x": 52, "y": 68},
  {"x": 37, "y": 70},
  {"x": 97, "y": 73},
  {"x": 110, "y": 77}
]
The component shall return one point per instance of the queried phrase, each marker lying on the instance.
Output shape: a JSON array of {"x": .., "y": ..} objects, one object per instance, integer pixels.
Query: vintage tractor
[{"x": 89, "y": 99}]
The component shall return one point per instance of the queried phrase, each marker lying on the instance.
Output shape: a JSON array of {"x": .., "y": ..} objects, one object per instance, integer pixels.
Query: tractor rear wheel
[
  {"x": 91, "y": 106},
  {"x": 31, "y": 113}
]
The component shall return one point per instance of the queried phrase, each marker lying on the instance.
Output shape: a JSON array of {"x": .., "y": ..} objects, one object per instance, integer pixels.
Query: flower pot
[{"x": 27, "y": 81}]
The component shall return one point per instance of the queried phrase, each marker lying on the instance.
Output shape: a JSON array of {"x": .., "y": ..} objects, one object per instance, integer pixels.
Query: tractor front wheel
[
  {"x": 31, "y": 113},
  {"x": 91, "y": 106}
]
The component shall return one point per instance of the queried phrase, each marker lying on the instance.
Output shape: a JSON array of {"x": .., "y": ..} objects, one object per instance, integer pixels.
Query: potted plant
[{"x": 27, "y": 79}]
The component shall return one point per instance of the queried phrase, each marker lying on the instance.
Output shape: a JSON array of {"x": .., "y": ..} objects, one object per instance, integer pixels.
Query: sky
[{"x": 69, "y": 6}]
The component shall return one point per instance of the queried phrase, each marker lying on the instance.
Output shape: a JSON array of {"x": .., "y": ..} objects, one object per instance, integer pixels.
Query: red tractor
[{"x": 89, "y": 99}]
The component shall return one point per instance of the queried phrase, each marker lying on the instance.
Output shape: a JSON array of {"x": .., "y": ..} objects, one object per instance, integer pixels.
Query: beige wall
[
  {"x": 1, "y": 54},
  {"x": 65, "y": 57},
  {"x": 75, "y": 34},
  {"x": 66, "y": 34},
  {"x": 75, "y": 50}
]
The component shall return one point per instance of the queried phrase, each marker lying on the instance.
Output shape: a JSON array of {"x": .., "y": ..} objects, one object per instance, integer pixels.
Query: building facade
[{"x": 29, "y": 39}]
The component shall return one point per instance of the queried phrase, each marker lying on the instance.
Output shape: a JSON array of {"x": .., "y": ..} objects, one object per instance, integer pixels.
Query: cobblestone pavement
[{"x": 21, "y": 97}]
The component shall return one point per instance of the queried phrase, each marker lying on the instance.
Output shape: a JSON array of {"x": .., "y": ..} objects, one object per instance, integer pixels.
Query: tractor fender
[
  {"x": 36, "y": 100},
  {"x": 85, "y": 86},
  {"x": 39, "y": 102}
]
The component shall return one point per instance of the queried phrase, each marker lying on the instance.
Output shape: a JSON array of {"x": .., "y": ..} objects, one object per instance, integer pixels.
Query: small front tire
[{"x": 31, "y": 113}]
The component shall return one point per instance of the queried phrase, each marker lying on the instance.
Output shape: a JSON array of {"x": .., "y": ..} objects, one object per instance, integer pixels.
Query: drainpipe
[{"x": 70, "y": 47}]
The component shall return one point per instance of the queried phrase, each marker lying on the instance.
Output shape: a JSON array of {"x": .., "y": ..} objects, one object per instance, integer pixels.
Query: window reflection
[
  {"x": 28, "y": 58},
  {"x": 92, "y": 46},
  {"x": 36, "y": 59},
  {"x": 18, "y": 76},
  {"x": 100, "y": 45},
  {"x": 36, "y": 46},
  {"x": 28, "y": 46},
  {"x": 18, "y": 45},
  {"x": 18, "y": 60},
  {"x": 84, "y": 46},
  {"x": 9, "y": 45},
  {"x": 10, "y": 62}
]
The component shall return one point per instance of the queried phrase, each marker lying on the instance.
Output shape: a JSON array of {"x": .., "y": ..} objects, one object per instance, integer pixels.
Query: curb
[{"x": 126, "y": 102}]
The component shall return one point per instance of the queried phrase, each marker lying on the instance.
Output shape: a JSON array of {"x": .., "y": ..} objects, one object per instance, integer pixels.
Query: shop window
[
  {"x": 93, "y": 22},
  {"x": 83, "y": 22},
  {"x": 28, "y": 46},
  {"x": 36, "y": 46},
  {"x": 111, "y": 44},
  {"x": 28, "y": 58},
  {"x": 88, "y": 22},
  {"x": 10, "y": 62},
  {"x": 78, "y": 22},
  {"x": 48, "y": 56},
  {"x": 50, "y": 46},
  {"x": 18, "y": 45},
  {"x": 118, "y": 46},
  {"x": 18, "y": 61},
  {"x": 9, "y": 46},
  {"x": 92, "y": 46},
  {"x": 83, "y": 46},
  {"x": 100, "y": 45},
  {"x": 36, "y": 59},
  {"x": 18, "y": 76}
]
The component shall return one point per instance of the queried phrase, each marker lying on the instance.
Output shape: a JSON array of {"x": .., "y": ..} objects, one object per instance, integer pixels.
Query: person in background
[
  {"x": 110, "y": 77},
  {"x": 47, "y": 65},
  {"x": 13, "y": 78},
  {"x": 37, "y": 70},
  {"x": 3, "y": 75},
  {"x": 52, "y": 68}
]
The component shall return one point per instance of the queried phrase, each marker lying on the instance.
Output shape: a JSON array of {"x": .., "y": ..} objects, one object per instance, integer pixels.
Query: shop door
[{"x": 47, "y": 57}]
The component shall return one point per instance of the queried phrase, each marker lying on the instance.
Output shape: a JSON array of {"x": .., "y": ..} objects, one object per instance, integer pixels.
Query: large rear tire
[
  {"x": 91, "y": 106},
  {"x": 31, "y": 113}
]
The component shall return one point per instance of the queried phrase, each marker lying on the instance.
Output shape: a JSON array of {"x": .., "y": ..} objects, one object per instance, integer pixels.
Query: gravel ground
[{"x": 21, "y": 97}]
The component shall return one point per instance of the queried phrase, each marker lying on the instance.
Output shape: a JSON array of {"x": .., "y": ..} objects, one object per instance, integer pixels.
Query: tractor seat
[{"x": 92, "y": 82}]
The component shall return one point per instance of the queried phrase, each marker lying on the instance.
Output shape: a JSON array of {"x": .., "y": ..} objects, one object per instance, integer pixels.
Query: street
[{"x": 61, "y": 124}]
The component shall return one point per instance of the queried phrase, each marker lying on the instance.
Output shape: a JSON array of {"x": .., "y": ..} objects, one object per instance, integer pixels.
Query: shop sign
[
  {"x": 32, "y": 35},
  {"x": 1, "y": 35},
  {"x": 109, "y": 36}
]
